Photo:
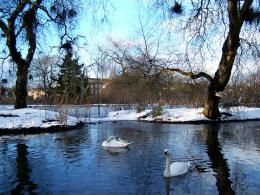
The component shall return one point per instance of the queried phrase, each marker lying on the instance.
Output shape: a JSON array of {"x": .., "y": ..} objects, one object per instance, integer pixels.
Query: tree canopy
[{"x": 72, "y": 83}]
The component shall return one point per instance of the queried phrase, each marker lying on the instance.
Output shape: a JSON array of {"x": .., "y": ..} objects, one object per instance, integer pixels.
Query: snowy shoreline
[
  {"x": 33, "y": 121},
  {"x": 30, "y": 120},
  {"x": 180, "y": 115}
]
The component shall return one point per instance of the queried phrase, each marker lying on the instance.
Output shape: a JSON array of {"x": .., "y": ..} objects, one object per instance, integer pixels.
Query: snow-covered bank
[
  {"x": 189, "y": 115},
  {"x": 180, "y": 115},
  {"x": 32, "y": 118},
  {"x": 34, "y": 121},
  {"x": 121, "y": 115}
]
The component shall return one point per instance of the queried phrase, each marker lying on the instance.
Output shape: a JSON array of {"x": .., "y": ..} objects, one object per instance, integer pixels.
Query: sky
[{"x": 122, "y": 24}]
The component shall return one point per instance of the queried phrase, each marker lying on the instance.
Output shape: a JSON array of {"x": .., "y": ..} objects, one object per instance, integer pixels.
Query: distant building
[
  {"x": 98, "y": 86},
  {"x": 36, "y": 93}
]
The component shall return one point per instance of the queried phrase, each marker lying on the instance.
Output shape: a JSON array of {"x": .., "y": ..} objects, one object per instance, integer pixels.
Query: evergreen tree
[{"x": 72, "y": 84}]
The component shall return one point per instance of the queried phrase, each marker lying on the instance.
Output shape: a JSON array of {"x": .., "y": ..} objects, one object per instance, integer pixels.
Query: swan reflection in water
[
  {"x": 172, "y": 184},
  {"x": 116, "y": 151}
]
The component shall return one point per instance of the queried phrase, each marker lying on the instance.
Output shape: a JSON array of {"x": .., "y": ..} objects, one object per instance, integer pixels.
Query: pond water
[{"x": 225, "y": 158}]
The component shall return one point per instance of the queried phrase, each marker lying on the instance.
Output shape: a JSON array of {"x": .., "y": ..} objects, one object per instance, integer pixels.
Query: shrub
[
  {"x": 157, "y": 111},
  {"x": 140, "y": 108}
]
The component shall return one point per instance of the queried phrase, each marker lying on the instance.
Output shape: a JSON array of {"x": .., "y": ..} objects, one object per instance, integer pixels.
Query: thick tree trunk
[
  {"x": 10, "y": 31},
  {"x": 229, "y": 52},
  {"x": 21, "y": 85},
  {"x": 222, "y": 76},
  {"x": 211, "y": 109}
]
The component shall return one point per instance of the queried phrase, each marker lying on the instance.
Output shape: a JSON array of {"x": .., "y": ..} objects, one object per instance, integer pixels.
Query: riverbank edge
[
  {"x": 38, "y": 130},
  {"x": 218, "y": 121},
  {"x": 63, "y": 128}
]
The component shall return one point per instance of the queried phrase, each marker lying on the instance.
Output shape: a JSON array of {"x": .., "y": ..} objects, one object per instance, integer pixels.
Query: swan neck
[{"x": 167, "y": 171}]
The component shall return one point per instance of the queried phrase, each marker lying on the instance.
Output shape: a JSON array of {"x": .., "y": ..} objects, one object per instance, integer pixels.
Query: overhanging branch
[{"x": 188, "y": 73}]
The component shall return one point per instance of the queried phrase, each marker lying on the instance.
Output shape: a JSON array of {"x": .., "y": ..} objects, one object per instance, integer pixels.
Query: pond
[{"x": 225, "y": 160}]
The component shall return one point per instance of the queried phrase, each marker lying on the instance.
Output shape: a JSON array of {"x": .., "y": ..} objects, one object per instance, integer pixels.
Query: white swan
[
  {"x": 115, "y": 142},
  {"x": 176, "y": 168}
]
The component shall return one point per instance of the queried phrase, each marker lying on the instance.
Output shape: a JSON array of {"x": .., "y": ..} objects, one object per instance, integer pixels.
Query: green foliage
[
  {"x": 157, "y": 111},
  {"x": 72, "y": 84}
]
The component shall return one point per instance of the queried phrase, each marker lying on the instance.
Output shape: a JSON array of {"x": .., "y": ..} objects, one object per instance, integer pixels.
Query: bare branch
[
  {"x": 3, "y": 26},
  {"x": 16, "y": 12},
  {"x": 188, "y": 73}
]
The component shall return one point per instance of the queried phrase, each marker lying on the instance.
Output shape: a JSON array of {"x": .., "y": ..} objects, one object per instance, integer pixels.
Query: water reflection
[
  {"x": 75, "y": 163},
  {"x": 116, "y": 151},
  {"x": 219, "y": 163},
  {"x": 167, "y": 184},
  {"x": 71, "y": 144},
  {"x": 23, "y": 183}
]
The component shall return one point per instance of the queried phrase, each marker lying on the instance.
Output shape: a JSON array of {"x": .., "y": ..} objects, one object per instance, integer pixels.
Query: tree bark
[
  {"x": 21, "y": 85},
  {"x": 229, "y": 52},
  {"x": 9, "y": 30},
  {"x": 211, "y": 109}
]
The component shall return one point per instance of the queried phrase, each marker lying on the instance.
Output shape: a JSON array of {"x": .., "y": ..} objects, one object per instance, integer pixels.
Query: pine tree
[{"x": 72, "y": 84}]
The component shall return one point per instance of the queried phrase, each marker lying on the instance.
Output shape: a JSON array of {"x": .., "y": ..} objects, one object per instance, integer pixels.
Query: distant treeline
[{"x": 132, "y": 88}]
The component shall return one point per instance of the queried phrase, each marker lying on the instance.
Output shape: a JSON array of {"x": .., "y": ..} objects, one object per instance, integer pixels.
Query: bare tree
[
  {"x": 202, "y": 22},
  {"x": 43, "y": 71},
  {"x": 207, "y": 16},
  {"x": 22, "y": 22}
]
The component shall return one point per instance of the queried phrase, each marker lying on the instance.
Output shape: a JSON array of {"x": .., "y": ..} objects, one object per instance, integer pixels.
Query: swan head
[{"x": 166, "y": 152}]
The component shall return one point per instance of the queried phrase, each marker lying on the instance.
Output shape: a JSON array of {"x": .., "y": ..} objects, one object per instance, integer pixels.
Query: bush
[
  {"x": 157, "y": 111},
  {"x": 140, "y": 108}
]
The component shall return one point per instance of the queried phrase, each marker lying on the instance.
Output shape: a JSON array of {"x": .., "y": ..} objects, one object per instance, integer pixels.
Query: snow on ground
[
  {"x": 28, "y": 118},
  {"x": 178, "y": 115},
  {"x": 121, "y": 115},
  {"x": 195, "y": 114}
]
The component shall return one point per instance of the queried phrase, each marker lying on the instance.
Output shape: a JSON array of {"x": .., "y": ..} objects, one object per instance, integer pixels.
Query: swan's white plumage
[
  {"x": 179, "y": 168},
  {"x": 115, "y": 142},
  {"x": 176, "y": 168}
]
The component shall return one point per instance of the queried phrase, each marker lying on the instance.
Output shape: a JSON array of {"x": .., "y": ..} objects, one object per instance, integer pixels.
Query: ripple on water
[{"x": 224, "y": 156}]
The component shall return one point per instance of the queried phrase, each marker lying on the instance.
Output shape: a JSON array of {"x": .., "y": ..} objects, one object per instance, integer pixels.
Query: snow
[
  {"x": 176, "y": 115},
  {"x": 121, "y": 115},
  {"x": 28, "y": 118}
]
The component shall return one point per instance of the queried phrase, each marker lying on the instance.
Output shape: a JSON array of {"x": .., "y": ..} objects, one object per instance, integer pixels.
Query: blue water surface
[{"x": 225, "y": 160}]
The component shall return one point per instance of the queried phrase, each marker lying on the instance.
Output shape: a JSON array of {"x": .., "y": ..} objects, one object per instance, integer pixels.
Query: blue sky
[
  {"x": 122, "y": 24},
  {"x": 122, "y": 21}
]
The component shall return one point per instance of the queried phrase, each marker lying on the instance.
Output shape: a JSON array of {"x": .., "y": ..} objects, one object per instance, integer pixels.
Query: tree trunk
[
  {"x": 212, "y": 103},
  {"x": 229, "y": 52},
  {"x": 21, "y": 85},
  {"x": 222, "y": 76}
]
